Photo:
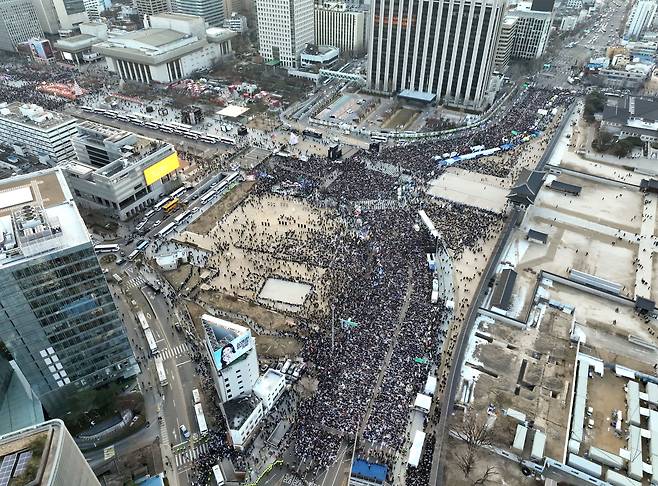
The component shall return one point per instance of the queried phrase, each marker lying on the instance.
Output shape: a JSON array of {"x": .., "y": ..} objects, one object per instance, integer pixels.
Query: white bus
[
  {"x": 178, "y": 219},
  {"x": 106, "y": 248},
  {"x": 196, "y": 396},
  {"x": 162, "y": 203},
  {"x": 201, "y": 419},
  {"x": 208, "y": 196},
  {"x": 217, "y": 473},
  {"x": 162, "y": 375},
  {"x": 379, "y": 137},
  {"x": 178, "y": 192},
  {"x": 153, "y": 347},
  {"x": 142, "y": 321},
  {"x": 166, "y": 230},
  {"x": 133, "y": 255},
  {"x": 227, "y": 141}
]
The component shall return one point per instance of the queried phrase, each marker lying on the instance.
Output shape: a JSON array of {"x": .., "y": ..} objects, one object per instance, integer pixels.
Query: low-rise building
[
  {"x": 119, "y": 172},
  {"x": 243, "y": 415},
  {"x": 269, "y": 387},
  {"x": 632, "y": 116},
  {"x": 44, "y": 455},
  {"x": 631, "y": 76},
  {"x": 77, "y": 48},
  {"x": 319, "y": 56},
  {"x": 172, "y": 47},
  {"x": 31, "y": 130},
  {"x": 236, "y": 22}
]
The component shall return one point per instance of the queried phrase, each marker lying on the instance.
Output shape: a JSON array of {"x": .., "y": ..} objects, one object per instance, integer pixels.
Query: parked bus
[
  {"x": 200, "y": 419},
  {"x": 178, "y": 219},
  {"x": 163, "y": 202},
  {"x": 208, "y": 196},
  {"x": 178, "y": 192},
  {"x": 153, "y": 347},
  {"x": 227, "y": 141},
  {"x": 149, "y": 213},
  {"x": 162, "y": 375},
  {"x": 196, "y": 396},
  {"x": 311, "y": 133},
  {"x": 171, "y": 205},
  {"x": 142, "y": 245},
  {"x": 378, "y": 137},
  {"x": 133, "y": 255},
  {"x": 166, "y": 230},
  {"x": 106, "y": 248},
  {"x": 142, "y": 321},
  {"x": 217, "y": 473}
]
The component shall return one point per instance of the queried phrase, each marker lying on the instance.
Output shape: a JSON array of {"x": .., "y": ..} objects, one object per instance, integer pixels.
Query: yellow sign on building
[{"x": 160, "y": 169}]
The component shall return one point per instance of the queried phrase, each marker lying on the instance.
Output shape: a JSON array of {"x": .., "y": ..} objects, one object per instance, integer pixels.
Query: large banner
[{"x": 233, "y": 340}]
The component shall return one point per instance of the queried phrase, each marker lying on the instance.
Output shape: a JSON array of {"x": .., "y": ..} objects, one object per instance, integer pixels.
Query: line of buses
[{"x": 169, "y": 127}]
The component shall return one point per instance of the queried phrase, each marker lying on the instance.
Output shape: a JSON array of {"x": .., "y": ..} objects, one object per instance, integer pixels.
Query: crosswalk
[
  {"x": 190, "y": 455},
  {"x": 174, "y": 352},
  {"x": 164, "y": 435},
  {"x": 137, "y": 281}
]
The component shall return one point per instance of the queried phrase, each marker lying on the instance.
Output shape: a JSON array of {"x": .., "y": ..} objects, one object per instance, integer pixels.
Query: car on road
[
  {"x": 120, "y": 261},
  {"x": 157, "y": 223},
  {"x": 184, "y": 432},
  {"x": 195, "y": 209}
]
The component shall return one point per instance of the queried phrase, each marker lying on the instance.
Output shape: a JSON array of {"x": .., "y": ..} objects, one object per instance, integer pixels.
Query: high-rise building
[
  {"x": 533, "y": 28},
  {"x": 44, "y": 455},
  {"x": 59, "y": 321},
  {"x": 505, "y": 43},
  {"x": 19, "y": 405},
  {"x": 119, "y": 173},
  {"x": 233, "y": 352},
  {"x": 62, "y": 16},
  {"x": 284, "y": 29},
  {"x": 153, "y": 7},
  {"x": 339, "y": 25},
  {"x": 32, "y": 130},
  {"x": 19, "y": 22},
  {"x": 212, "y": 11},
  {"x": 641, "y": 16},
  {"x": 445, "y": 48}
]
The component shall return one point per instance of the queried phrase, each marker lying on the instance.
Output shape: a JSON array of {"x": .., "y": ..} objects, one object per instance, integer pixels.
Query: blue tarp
[{"x": 370, "y": 470}]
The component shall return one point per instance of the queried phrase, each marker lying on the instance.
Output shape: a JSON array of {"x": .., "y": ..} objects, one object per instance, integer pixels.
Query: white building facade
[
  {"x": 119, "y": 173},
  {"x": 19, "y": 23},
  {"x": 32, "y": 130},
  {"x": 641, "y": 16},
  {"x": 338, "y": 25},
  {"x": 284, "y": 29},
  {"x": 533, "y": 29},
  {"x": 171, "y": 48},
  {"x": 443, "y": 47}
]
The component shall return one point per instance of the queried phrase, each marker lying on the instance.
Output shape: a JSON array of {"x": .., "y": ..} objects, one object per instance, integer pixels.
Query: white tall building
[
  {"x": 443, "y": 49},
  {"x": 32, "y": 130},
  {"x": 505, "y": 43},
  {"x": 19, "y": 22},
  {"x": 533, "y": 28},
  {"x": 62, "y": 16},
  {"x": 233, "y": 352},
  {"x": 338, "y": 25},
  {"x": 284, "y": 29},
  {"x": 641, "y": 16}
]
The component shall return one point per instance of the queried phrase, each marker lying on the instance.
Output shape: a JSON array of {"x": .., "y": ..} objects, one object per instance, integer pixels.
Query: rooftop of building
[
  {"x": 220, "y": 34},
  {"x": 37, "y": 216},
  {"x": 30, "y": 455},
  {"x": 33, "y": 115},
  {"x": 239, "y": 409},
  {"x": 221, "y": 332},
  {"x": 154, "y": 37},
  {"x": 267, "y": 382},
  {"x": 620, "y": 110}
]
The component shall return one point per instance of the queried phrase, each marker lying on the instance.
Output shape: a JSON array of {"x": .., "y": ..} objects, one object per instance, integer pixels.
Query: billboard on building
[
  {"x": 160, "y": 169},
  {"x": 229, "y": 341},
  {"x": 41, "y": 49}
]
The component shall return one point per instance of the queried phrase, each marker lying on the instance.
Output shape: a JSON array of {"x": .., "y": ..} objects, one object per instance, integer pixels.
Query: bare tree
[
  {"x": 475, "y": 434},
  {"x": 490, "y": 474}
]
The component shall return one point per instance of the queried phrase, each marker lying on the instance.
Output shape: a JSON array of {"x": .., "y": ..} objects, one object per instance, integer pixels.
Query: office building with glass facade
[{"x": 58, "y": 319}]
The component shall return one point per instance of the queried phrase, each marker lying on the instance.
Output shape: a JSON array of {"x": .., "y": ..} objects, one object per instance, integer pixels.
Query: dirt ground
[
  {"x": 265, "y": 317},
  {"x": 263, "y": 237},
  {"x": 210, "y": 217},
  {"x": 507, "y": 472},
  {"x": 277, "y": 347}
]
